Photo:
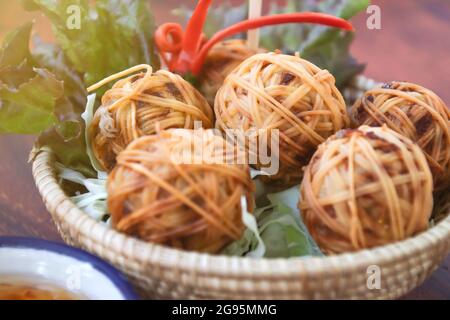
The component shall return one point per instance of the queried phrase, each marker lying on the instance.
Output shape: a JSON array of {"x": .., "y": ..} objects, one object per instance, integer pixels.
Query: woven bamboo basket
[{"x": 160, "y": 272}]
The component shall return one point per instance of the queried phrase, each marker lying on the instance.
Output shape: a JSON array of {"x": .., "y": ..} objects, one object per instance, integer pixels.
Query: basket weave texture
[{"x": 160, "y": 272}]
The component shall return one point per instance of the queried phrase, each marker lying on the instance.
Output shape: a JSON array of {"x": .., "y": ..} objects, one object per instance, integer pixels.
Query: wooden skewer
[{"x": 255, "y": 10}]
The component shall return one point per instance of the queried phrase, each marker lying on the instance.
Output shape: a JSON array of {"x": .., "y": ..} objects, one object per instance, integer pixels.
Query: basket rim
[{"x": 219, "y": 265}]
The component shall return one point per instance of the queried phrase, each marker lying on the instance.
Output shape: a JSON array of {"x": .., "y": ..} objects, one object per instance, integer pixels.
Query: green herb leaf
[
  {"x": 30, "y": 108},
  {"x": 112, "y": 36},
  {"x": 326, "y": 47},
  {"x": 15, "y": 47},
  {"x": 28, "y": 94}
]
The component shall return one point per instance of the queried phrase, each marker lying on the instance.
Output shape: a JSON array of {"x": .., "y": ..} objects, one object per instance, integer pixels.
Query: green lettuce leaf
[
  {"x": 15, "y": 49},
  {"x": 51, "y": 57},
  {"x": 250, "y": 242},
  {"x": 280, "y": 228},
  {"x": 36, "y": 97},
  {"x": 70, "y": 152},
  {"x": 42, "y": 91},
  {"x": 30, "y": 107},
  {"x": 29, "y": 93},
  {"x": 113, "y": 35}
]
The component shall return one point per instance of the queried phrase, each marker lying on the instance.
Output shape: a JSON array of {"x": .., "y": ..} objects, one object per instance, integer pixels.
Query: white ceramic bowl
[{"x": 68, "y": 268}]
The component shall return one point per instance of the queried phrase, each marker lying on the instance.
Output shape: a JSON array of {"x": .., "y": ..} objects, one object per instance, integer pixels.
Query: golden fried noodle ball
[
  {"x": 135, "y": 106},
  {"x": 274, "y": 91},
  {"x": 416, "y": 113},
  {"x": 365, "y": 188},
  {"x": 159, "y": 195},
  {"x": 220, "y": 61}
]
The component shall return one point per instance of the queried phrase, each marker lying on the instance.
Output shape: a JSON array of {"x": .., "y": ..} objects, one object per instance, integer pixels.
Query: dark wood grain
[
  {"x": 22, "y": 211},
  {"x": 412, "y": 45}
]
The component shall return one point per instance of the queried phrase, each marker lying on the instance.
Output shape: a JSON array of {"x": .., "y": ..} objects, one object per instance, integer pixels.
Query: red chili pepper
[
  {"x": 169, "y": 39},
  {"x": 188, "y": 50},
  {"x": 304, "y": 17},
  {"x": 194, "y": 29}
]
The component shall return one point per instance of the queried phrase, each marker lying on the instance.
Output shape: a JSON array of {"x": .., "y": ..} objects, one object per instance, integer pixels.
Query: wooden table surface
[{"x": 413, "y": 44}]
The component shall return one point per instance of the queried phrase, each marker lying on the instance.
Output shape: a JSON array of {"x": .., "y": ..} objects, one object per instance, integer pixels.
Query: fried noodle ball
[
  {"x": 416, "y": 113},
  {"x": 137, "y": 105},
  {"x": 223, "y": 58},
  {"x": 272, "y": 91},
  {"x": 193, "y": 204},
  {"x": 364, "y": 188}
]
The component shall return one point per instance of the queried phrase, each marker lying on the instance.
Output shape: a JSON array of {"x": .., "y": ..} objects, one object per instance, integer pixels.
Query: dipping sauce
[{"x": 19, "y": 288}]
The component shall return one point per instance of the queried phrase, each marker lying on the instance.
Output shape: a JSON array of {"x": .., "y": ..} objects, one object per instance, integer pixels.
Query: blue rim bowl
[{"x": 115, "y": 276}]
